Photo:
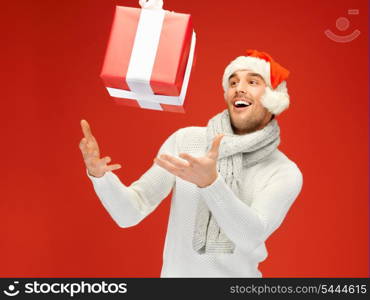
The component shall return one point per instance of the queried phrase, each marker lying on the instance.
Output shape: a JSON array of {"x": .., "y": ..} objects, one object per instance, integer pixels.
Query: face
[{"x": 243, "y": 99}]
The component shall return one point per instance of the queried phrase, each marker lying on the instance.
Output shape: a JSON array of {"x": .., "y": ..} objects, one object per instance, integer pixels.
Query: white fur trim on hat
[
  {"x": 255, "y": 64},
  {"x": 275, "y": 100}
]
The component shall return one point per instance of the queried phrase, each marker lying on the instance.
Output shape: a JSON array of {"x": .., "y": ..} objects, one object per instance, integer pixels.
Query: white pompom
[{"x": 276, "y": 101}]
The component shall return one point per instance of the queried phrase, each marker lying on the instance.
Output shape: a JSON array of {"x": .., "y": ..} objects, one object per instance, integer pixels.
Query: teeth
[{"x": 242, "y": 102}]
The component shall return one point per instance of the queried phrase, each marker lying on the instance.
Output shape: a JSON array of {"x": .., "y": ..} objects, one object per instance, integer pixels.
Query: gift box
[{"x": 149, "y": 58}]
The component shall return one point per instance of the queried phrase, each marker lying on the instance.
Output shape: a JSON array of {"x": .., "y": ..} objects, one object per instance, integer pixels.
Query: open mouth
[{"x": 242, "y": 104}]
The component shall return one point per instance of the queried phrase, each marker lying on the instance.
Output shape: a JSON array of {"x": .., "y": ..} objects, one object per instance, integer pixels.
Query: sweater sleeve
[
  {"x": 249, "y": 226},
  {"x": 128, "y": 205}
]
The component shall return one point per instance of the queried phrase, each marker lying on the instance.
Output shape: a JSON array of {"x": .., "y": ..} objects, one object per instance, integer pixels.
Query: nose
[{"x": 242, "y": 87}]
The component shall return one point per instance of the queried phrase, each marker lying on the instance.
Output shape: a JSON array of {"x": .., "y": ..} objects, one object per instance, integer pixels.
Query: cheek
[
  {"x": 258, "y": 107},
  {"x": 258, "y": 99},
  {"x": 258, "y": 92},
  {"x": 228, "y": 96}
]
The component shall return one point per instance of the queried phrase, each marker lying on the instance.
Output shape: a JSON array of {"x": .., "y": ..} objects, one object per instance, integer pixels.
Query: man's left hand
[{"x": 201, "y": 171}]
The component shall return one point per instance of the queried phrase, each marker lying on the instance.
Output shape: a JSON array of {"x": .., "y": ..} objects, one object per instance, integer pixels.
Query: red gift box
[{"x": 149, "y": 58}]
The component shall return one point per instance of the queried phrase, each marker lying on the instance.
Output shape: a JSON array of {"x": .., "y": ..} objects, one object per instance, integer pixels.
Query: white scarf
[{"x": 235, "y": 152}]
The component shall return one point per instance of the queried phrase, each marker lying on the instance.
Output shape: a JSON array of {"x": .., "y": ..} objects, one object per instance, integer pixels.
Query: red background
[{"x": 52, "y": 223}]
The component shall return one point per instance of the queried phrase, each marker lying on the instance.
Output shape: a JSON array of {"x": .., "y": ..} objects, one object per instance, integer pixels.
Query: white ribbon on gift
[{"x": 143, "y": 57}]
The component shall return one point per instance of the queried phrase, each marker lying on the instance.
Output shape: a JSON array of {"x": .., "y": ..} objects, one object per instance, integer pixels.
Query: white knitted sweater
[{"x": 270, "y": 188}]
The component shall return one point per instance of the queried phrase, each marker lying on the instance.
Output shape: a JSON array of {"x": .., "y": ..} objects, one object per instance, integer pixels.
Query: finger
[
  {"x": 85, "y": 154},
  {"x": 84, "y": 149},
  {"x": 90, "y": 151},
  {"x": 91, "y": 145},
  {"x": 83, "y": 141},
  {"x": 191, "y": 159},
  {"x": 175, "y": 161},
  {"x": 92, "y": 148},
  {"x": 94, "y": 161},
  {"x": 83, "y": 144},
  {"x": 167, "y": 166},
  {"x": 112, "y": 167},
  {"x": 213, "y": 152},
  {"x": 86, "y": 130},
  {"x": 106, "y": 159}
]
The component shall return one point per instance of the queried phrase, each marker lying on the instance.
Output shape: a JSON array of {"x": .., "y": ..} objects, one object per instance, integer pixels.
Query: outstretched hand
[
  {"x": 201, "y": 171},
  {"x": 89, "y": 147}
]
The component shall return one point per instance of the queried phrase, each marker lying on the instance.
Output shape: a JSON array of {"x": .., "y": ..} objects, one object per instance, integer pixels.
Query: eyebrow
[{"x": 249, "y": 74}]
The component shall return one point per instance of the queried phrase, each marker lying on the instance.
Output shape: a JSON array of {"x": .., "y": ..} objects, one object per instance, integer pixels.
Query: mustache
[{"x": 242, "y": 96}]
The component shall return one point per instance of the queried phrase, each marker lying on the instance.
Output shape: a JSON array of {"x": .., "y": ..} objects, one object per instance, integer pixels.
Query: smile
[{"x": 241, "y": 104}]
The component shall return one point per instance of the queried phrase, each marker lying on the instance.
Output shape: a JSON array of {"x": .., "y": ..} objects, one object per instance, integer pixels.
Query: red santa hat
[{"x": 276, "y": 97}]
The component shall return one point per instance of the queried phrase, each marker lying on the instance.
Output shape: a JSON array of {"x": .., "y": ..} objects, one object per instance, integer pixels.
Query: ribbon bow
[{"x": 151, "y": 4}]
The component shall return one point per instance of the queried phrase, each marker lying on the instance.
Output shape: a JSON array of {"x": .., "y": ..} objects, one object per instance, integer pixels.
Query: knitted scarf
[{"x": 235, "y": 152}]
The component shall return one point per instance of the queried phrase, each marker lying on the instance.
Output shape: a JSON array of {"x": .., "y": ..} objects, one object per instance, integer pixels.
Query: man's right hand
[{"x": 95, "y": 165}]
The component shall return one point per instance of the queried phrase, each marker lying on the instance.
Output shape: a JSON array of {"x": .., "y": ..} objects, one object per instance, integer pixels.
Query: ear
[{"x": 276, "y": 101}]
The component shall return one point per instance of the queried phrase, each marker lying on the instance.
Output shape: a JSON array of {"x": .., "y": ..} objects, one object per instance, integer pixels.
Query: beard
[{"x": 250, "y": 123}]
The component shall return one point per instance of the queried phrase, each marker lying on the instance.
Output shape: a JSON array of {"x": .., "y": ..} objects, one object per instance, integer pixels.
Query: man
[{"x": 233, "y": 187}]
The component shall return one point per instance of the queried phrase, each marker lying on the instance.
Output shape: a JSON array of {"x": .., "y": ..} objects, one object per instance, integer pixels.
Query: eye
[
  {"x": 232, "y": 83},
  {"x": 253, "y": 82}
]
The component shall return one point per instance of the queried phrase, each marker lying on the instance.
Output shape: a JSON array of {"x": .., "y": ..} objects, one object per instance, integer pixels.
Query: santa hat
[{"x": 276, "y": 97}]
